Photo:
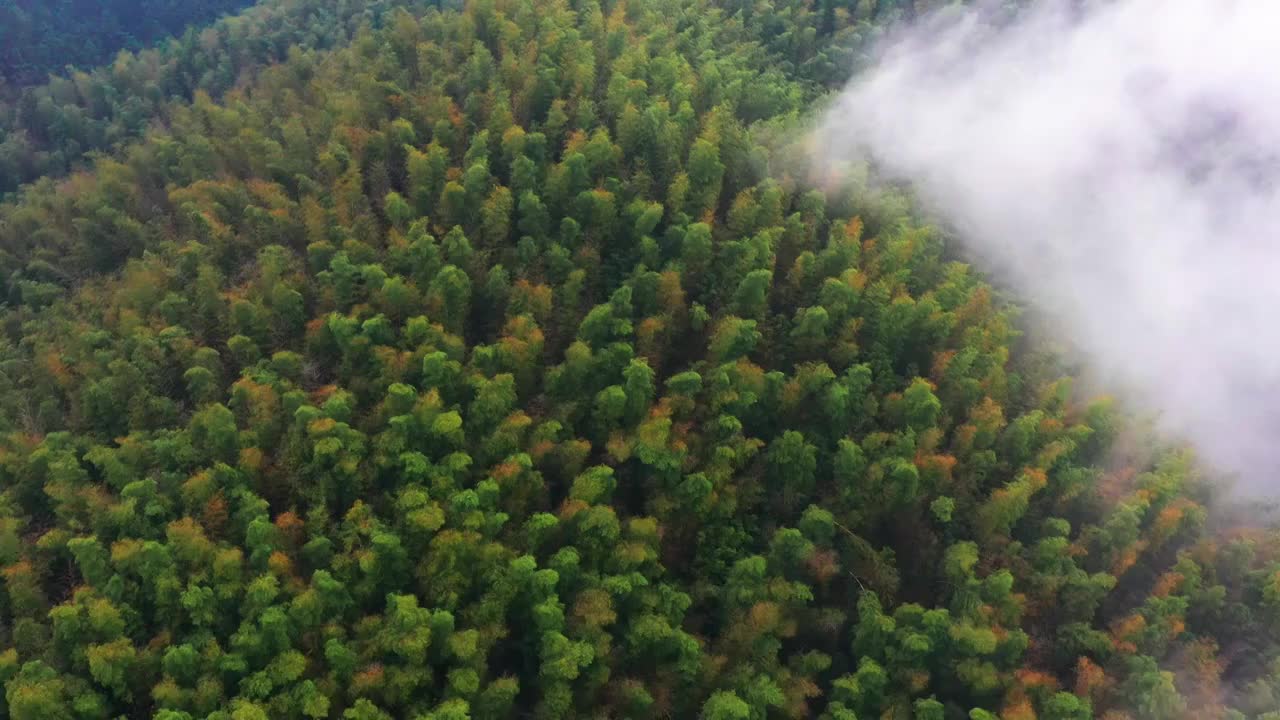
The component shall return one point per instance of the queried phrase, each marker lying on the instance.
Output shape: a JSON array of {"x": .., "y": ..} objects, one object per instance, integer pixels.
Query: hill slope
[
  {"x": 40, "y": 37},
  {"x": 500, "y": 363},
  {"x": 46, "y": 130}
]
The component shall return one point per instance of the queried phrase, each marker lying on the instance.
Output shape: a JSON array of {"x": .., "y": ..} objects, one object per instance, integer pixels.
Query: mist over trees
[
  {"x": 1085, "y": 154},
  {"x": 501, "y": 360}
]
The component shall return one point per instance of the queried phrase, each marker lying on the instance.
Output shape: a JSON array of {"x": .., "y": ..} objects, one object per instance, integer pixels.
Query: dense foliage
[
  {"x": 501, "y": 362},
  {"x": 42, "y": 36}
]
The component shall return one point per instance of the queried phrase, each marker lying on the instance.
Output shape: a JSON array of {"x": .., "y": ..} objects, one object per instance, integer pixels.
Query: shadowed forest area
[
  {"x": 502, "y": 359},
  {"x": 38, "y": 37}
]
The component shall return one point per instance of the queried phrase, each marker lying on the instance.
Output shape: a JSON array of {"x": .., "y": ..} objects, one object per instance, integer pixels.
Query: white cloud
[{"x": 1119, "y": 167}]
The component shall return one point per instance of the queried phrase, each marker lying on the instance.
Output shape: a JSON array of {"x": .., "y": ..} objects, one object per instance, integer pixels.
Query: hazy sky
[{"x": 1117, "y": 167}]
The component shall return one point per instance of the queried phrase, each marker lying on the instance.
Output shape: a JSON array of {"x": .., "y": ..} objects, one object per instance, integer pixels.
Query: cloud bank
[{"x": 1117, "y": 165}]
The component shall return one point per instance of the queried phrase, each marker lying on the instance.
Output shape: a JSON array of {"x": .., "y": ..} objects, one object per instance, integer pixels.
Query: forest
[{"x": 383, "y": 359}]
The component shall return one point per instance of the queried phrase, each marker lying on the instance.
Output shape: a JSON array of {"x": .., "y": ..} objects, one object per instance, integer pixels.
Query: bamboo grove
[{"x": 506, "y": 360}]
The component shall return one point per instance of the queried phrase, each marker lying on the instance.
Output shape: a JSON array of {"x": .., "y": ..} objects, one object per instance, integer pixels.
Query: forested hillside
[
  {"x": 43, "y": 36},
  {"x": 47, "y": 129},
  {"x": 506, "y": 361}
]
